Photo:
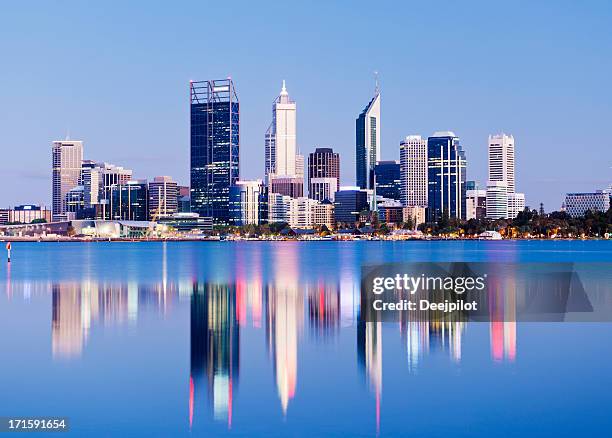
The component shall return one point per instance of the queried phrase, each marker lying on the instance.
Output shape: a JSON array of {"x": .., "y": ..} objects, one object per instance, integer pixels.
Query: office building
[
  {"x": 323, "y": 214},
  {"x": 286, "y": 185},
  {"x": 497, "y": 200},
  {"x": 413, "y": 171},
  {"x": 299, "y": 165},
  {"x": 215, "y": 147},
  {"x": 367, "y": 145},
  {"x": 387, "y": 179},
  {"x": 301, "y": 212},
  {"x": 475, "y": 202},
  {"x": 278, "y": 208},
  {"x": 248, "y": 203},
  {"x": 391, "y": 212},
  {"x": 322, "y": 189},
  {"x": 348, "y": 204},
  {"x": 67, "y": 156},
  {"x": 163, "y": 197},
  {"x": 501, "y": 160},
  {"x": 281, "y": 138},
  {"x": 129, "y": 201},
  {"x": 324, "y": 163},
  {"x": 75, "y": 202},
  {"x": 516, "y": 204},
  {"x": 577, "y": 204},
  {"x": 446, "y": 176},
  {"x": 25, "y": 214}
]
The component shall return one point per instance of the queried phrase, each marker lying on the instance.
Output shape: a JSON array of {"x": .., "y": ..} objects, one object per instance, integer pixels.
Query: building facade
[
  {"x": 414, "y": 213},
  {"x": 163, "y": 197},
  {"x": 577, "y": 204},
  {"x": 25, "y": 214},
  {"x": 66, "y": 158},
  {"x": 323, "y": 214},
  {"x": 215, "y": 147},
  {"x": 475, "y": 204},
  {"x": 516, "y": 204},
  {"x": 387, "y": 179},
  {"x": 367, "y": 144},
  {"x": 446, "y": 176},
  {"x": 281, "y": 138},
  {"x": 249, "y": 203},
  {"x": 301, "y": 212},
  {"x": 129, "y": 201},
  {"x": 322, "y": 189},
  {"x": 289, "y": 186},
  {"x": 278, "y": 208},
  {"x": 413, "y": 171},
  {"x": 348, "y": 204},
  {"x": 324, "y": 163},
  {"x": 501, "y": 160},
  {"x": 497, "y": 200}
]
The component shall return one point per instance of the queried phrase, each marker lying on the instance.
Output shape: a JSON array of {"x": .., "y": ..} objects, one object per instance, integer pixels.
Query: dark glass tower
[
  {"x": 446, "y": 176},
  {"x": 387, "y": 179},
  {"x": 215, "y": 146},
  {"x": 367, "y": 142}
]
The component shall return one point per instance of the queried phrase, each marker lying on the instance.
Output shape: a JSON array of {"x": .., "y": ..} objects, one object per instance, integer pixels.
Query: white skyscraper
[
  {"x": 67, "y": 156},
  {"x": 367, "y": 146},
  {"x": 281, "y": 139},
  {"x": 413, "y": 171},
  {"x": 497, "y": 200},
  {"x": 501, "y": 160}
]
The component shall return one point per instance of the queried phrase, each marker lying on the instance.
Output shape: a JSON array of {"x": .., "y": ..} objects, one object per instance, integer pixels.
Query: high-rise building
[
  {"x": 413, "y": 171},
  {"x": 75, "y": 202},
  {"x": 367, "y": 145},
  {"x": 348, "y": 204},
  {"x": 414, "y": 213},
  {"x": 501, "y": 160},
  {"x": 281, "y": 138},
  {"x": 446, "y": 176},
  {"x": 163, "y": 197},
  {"x": 285, "y": 185},
  {"x": 387, "y": 179},
  {"x": 299, "y": 165},
  {"x": 215, "y": 146},
  {"x": 323, "y": 163},
  {"x": 67, "y": 156},
  {"x": 97, "y": 180},
  {"x": 497, "y": 200},
  {"x": 322, "y": 189},
  {"x": 129, "y": 201},
  {"x": 249, "y": 203}
]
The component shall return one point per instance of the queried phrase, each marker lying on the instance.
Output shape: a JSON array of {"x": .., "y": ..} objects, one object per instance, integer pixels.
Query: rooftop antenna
[{"x": 377, "y": 87}]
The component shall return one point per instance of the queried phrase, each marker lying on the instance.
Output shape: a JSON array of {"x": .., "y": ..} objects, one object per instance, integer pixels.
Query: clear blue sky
[{"x": 116, "y": 76}]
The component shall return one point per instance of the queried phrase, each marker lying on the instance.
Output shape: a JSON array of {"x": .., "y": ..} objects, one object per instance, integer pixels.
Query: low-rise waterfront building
[
  {"x": 348, "y": 204},
  {"x": 577, "y": 204}
]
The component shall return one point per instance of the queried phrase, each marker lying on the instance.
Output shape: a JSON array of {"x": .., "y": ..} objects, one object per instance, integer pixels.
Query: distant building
[
  {"x": 184, "y": 199},
  {"x": 299, "y": 165},
  {"x": 446, "y": 176},
  {"x": 67, "y": 156},
  {"x": 188, "y": 223},
  {"x": 289, "y": 186},
  {"x": 391, "y": 212},
  {"x": 281, "y": 138},
  {"x": 215, "y": 147},
  {"x": 501, "y": 160},
  {"x": 516, "y": 204},
  {"x": 163, "y": 197},
  {"x": 387, "y": 179},
  {"x": 415, "y": 213},
  {"x": 248, "y": 203},
  {"x": 475, "y": 203},
  {"x": 129, "y": 201},
  {"x": 75, "y": 202},
  {"x": 577, "y": 204},
  {"x": 323, "y": 214},
  {"x": 348, "y": 204},
  {"x": 301, "y": 212},
  {"x": 97, "y": 178},
  {"x": 323, "y": 163},
  {"x": 25, "y": 214},
  {"x": 497, "y": 200},
  {"x": 413, "y": 171},
  {"x": 322, "y": 189},
  {"x": 278, "y": 208},
  {"x": 367, "y": 147}
]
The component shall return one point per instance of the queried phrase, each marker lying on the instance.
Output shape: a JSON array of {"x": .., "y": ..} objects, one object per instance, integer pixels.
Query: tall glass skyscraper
[
  {"x": 215, "y": 146},
  {"x": 387, "y": 179},
  {"x": 446, "y": 176},
  {"x": 281, "y": 141},
  {"x": 367, "y": 146}
]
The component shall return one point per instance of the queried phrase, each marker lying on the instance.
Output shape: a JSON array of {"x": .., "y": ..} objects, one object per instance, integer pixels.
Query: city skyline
[{"x": 540, "y": 90}]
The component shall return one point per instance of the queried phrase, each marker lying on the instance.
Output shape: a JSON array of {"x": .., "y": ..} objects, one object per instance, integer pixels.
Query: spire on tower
[
  {"x": 284, "y": 89},
  {"x": 377, "y": 86}
]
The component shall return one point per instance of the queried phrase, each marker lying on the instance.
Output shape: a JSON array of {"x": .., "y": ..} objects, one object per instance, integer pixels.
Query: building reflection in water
[
  {"x": 502, "y": 308},
  {"x": 369, "y": 358},
  {"x": 323, "y": 310},
  {"x": 215, "y": 350},
  {"x": 284, "y": 321}
]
